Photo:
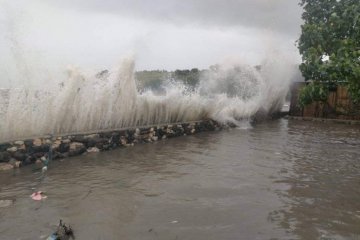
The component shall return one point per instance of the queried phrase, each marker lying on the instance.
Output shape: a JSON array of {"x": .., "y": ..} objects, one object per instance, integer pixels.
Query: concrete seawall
[{"x": 41, "y": 150}]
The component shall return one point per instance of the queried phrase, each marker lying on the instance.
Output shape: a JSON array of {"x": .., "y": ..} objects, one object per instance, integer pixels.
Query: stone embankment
[{"x": 39, "y": 150}]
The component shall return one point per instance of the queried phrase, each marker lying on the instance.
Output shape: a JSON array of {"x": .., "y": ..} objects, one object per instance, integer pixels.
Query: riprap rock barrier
[{"x": 41, "y": 150}]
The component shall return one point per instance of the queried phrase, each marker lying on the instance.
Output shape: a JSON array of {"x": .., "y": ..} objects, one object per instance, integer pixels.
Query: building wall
[{"x": 338, "y": 105}]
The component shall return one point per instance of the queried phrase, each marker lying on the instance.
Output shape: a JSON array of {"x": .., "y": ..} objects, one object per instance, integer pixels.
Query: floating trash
[
  {"x": 93, "y": 150},
  {"x": 44, "y": 169},
  {"x": 37, "y": 196},
  {"x": 63, "y": 232}
]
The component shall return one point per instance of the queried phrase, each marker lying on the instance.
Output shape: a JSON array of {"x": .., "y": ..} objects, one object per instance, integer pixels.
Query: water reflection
[{"x": 323, "y": 199}]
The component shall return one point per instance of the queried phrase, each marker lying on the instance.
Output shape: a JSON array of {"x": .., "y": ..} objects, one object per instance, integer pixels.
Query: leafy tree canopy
[
  {"x": 189, "y": 77},
  {"x": 330, "y": 44}
]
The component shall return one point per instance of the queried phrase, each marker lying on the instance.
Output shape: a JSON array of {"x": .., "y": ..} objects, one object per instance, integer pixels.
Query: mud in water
[{"x": 277, "y": 180}]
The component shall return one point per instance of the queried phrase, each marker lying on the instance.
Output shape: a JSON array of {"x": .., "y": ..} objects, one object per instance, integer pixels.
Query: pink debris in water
[{"x": 37, "y": 196}]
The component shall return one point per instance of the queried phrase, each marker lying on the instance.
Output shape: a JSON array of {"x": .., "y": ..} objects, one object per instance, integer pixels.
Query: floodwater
[{"x": 282, "y": 179}]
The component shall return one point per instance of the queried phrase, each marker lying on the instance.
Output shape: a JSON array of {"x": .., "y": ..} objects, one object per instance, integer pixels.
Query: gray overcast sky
[{"x": 161, "y": 34}]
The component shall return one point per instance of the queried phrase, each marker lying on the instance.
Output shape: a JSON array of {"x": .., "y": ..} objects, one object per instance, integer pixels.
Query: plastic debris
[
  {"x": 52, "y": 237},
  {"x": 37, "y": 196},
  {"x": 63, "y": 232},
  {"x": 93, "y": 150}
]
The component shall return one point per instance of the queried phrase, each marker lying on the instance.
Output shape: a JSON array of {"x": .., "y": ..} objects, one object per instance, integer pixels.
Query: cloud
[
  {"x": 276, "y": 15},
  {"x": 163, "y": 34}
]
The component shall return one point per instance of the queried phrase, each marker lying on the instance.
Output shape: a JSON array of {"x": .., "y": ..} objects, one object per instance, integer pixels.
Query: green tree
[
  {"x": 151, "y": 79},
  {"x": 330, "y": 46},
  {"x": 190, "y": 78}
]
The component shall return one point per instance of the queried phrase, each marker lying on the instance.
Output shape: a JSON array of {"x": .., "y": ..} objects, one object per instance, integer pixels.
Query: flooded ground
[{"x": 278, "y": 180}]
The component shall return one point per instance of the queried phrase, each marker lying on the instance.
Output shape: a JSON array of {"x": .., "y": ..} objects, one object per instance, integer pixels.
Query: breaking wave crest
[{"x": 110, "y": 100}]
